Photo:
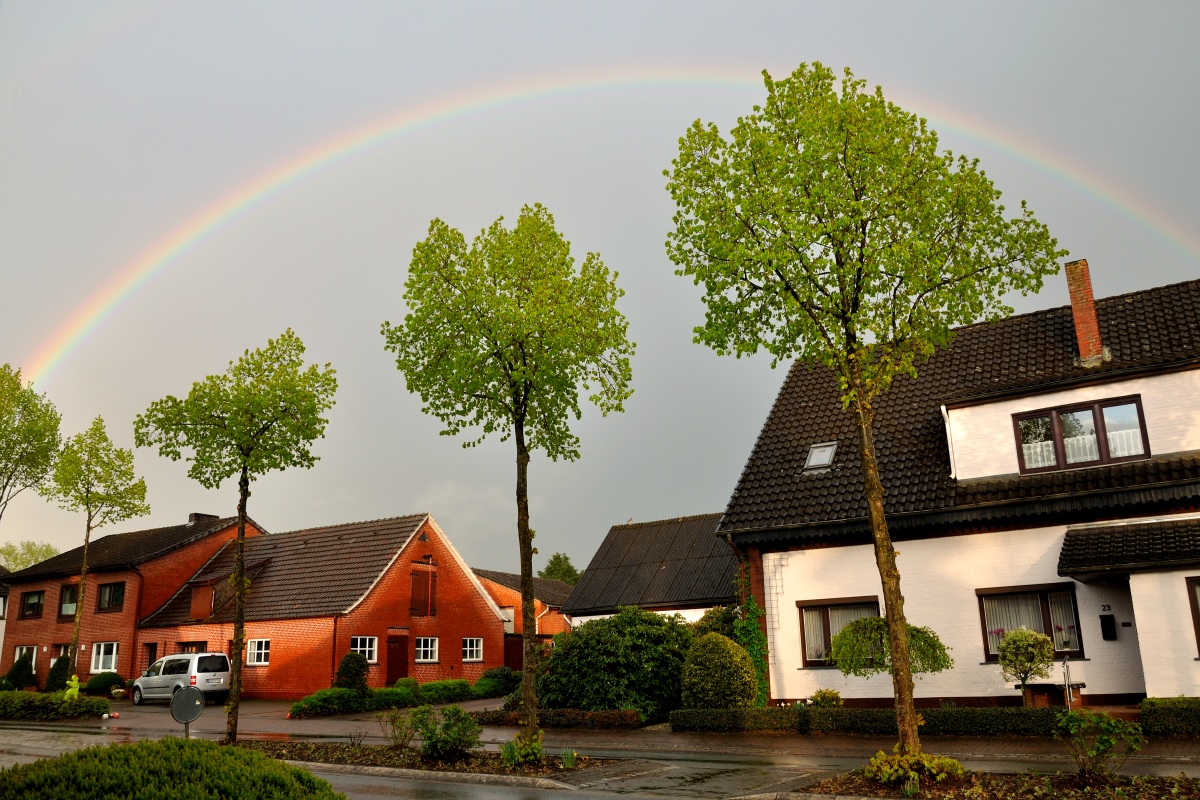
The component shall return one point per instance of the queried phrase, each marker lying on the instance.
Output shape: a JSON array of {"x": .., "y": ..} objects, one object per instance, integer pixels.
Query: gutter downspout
[
  {"x": 333, "y": 652},
  {"x": 537, "y": 621},
  {"x": 949, "y": 438},
  {"x": 137, "y": 625}
]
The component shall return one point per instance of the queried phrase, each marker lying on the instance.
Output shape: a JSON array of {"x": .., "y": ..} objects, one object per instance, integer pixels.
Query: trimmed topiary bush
[
  {"x": 47, "y": 707},
  {"x": 718, "y": 673},
  {"x": 826, "y": 698},
  {"x": 794, "y": 718},
  {"x": 1025, "y": 655},
  {"x": 716, "y": 620},
  {"x": 102, "y": 683},
  {"x": 352, "y": 673},
  {"x": 329, "y": 702},
  {"x": 20, "y": 674},
  {"x": 1171, "y": 716},
  {"x": 56, "y": 678},
  {"x": 631, "y": 660},
  {"x": 447, "y": 691},
  {"x": 411, "y": 685},
  {"x": 167, "y": 769}
]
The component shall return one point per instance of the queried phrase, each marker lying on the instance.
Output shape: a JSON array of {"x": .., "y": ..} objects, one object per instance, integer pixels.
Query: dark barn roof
[
  {"x": 120, "y": 550},
  {"x": 1096, "y": 551},
  {"x": 673, "y": 563},
  {"x": 777, "y": 501},
  {"x": 549, "y": 591},
  {"x": 316, "y": 572}
]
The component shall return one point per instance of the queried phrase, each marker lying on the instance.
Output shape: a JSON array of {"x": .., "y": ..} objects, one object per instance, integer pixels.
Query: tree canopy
[
  {"x": 861, "y": 648},
  {"x": 560, "y": 568},
  {"x": 829, "y": 228},
  {"x": 500, "y": 337},
  {"x": 262, "y": 414},
  {"x": 29, "y": 437},
  {"x": 25, "y": 553}
]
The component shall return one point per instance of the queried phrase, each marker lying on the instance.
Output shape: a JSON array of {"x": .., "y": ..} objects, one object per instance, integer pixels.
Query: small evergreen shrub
[
  {"x": 793, "y": 718},
  {"x": 521, "y": 750},
  {"x": 167, "y": 769},
  {"x": 497, "y": 682},
  {"x": 825, "y": 698},
  {"x": 101, "y": 684},
  {"x": 328, "y": 702},
  {"x": 716, "y": 620},
  {"x": 911, "y": 770},
  {"x": 452, "y": 738},
  {"x": 447, "y": 691},
  {"x": 352, "y": 673},
  {"x": 46, "y": 707},
  {"x": 6, "y": 686},
  {"x": 20, "y": 674},
  {"x": 411, "y": 685},
  {"x": 1098, "y": 743},
  {"x": 1171, "y": 716},
  {"x": 718, "y": 673},
  {"x": 1025, "y": 655},
  {"x": 56, "y": 678}
]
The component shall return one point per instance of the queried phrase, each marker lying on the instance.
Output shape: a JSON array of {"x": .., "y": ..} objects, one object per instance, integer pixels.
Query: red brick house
[
  {"x": 548, "y": 598},
  {"x": 394, "y": 590},
  {"x": 129, "y": 575}
]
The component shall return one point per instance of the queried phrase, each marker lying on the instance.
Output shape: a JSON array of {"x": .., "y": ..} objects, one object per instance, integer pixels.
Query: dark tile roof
[
  {"x": 671, "y": 563},
  {"x": 1151, "y": 329},
  {"x": 549, "y": 591},
  {"x": 316, "y": 572},
  {"x": 120, "y": 550},
  {"x": 1131, "y": 547}
]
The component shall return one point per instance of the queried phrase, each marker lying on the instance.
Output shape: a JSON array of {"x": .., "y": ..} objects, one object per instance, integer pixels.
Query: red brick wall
[
  {"x": 146, "y": 588},
  {"x": 548, "y": 621},
  {"x": 305, "y": 652}
]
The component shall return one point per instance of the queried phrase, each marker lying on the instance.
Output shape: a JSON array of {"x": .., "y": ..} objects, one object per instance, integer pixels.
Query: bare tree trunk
[
  {"x": 239, "y": 611},
  {"x": 73, "y": 651},
  {"x": 889, "y": 574},
  {"x": 529, "y": 710}
]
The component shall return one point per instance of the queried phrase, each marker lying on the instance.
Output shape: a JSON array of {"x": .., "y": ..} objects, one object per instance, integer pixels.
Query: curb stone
[{"x": 434, "y": 775}]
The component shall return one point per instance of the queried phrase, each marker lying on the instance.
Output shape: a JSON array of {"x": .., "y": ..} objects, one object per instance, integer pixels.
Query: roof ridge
[
  {"x": 716, "y": 514},
  {"x": 351, "y": 524}
]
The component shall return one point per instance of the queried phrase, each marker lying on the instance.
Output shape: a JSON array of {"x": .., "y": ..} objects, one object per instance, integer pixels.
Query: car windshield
[
  {"x": 155, "y": 668},
  {"x": 212, "y": 664}
]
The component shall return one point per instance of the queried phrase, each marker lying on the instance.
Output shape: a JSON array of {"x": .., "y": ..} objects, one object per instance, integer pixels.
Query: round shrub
[
  {"x": 1025, "y": 655},
  {"x": 56, "y": 678},
  {"x": 352, "y": 673},
  {"x": 411, "y": 685},
  {"x": 20, "y": 674},
  {"x": 102, "y": 683},
  {"x": 631, "y": 660},
  {"x": 5, "y": 686},
  {"x": 168, "y": 769},
  {"x": 718, "y": 673},
  {"x": 716, "y": 620},
  {"x": 825, "y": 698}
]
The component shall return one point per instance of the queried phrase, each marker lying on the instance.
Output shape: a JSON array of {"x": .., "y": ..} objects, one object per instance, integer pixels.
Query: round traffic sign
[{"x": 187, "y": 704}]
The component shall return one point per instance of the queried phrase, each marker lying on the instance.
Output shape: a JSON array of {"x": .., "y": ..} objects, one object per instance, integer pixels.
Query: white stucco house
[{"x": 1042, "y": 471}]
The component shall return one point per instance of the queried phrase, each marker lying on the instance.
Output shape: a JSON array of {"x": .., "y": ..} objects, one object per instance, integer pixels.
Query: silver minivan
[{"x": 208, "y": 672}]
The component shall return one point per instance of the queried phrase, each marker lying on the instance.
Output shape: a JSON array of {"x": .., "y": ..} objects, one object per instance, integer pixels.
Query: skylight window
[{"x": 820, "y": 456}]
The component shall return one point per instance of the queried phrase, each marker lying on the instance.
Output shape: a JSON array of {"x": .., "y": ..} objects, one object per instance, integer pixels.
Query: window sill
[
  {"x": 253, "y": 666},
  {"x": 427, "y": 662},
  {"x": 109, "y": 610},
  {"x": 1056, "y": 663}
]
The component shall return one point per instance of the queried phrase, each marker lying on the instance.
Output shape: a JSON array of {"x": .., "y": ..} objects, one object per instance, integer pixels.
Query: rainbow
[{"x": 87, "y": 318}]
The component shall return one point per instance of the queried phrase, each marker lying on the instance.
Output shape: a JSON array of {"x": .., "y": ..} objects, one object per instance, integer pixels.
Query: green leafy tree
[
  {"x": 96, "y": 477},
  {"x": 29, "y": 437},
  {"x": 718, "y": 673},
  {"x": 1024, "y": 655},
  {"x": 560, "y": 568},
  {"x": 828, "y": 228},
  {"x": 500, "y": 336},
  {"x": 262, "y": 414},
  {"x": 25, "y": 553},
  {"x": 860, "y": 648}
]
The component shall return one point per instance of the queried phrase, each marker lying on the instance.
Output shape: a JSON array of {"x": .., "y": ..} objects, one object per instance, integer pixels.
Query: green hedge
[
  {"x": 42, "y": 707},
  {"x": 990, "y": 721},
  {"x": 328, "y": 702},
  {"x": 101, "y": 684},
  {"x": 563, "y": 718},
  {"x": 1171, "y": 716},
  {"x": 168, "y": 769},
  {"x": 447, "y": 691},
  {"x": 740, "y": 719}
]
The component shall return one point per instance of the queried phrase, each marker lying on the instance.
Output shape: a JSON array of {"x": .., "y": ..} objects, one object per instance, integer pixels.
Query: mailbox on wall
[{"x": 1108, "y": 627}]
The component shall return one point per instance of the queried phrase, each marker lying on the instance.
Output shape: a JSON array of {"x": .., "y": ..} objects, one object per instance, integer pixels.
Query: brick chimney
[
  {"x": 1092, "y": 351},
  {"x": 194, "y": 517}
]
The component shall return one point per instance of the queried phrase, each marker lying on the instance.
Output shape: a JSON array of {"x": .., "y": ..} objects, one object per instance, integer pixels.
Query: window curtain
[
  {"x": 841, "y": 616},
  {"x": 1062, "y": 620},
  {"x": 814, "y": 635},
  {"x": 1003, "y": 613}
]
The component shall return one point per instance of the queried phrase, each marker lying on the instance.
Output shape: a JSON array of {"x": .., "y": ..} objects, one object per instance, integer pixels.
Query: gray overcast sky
[{"x": 127, "y": 126}]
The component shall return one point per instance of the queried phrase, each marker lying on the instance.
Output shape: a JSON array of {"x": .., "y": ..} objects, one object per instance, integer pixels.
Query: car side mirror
[{"x": 145, "y": 673}]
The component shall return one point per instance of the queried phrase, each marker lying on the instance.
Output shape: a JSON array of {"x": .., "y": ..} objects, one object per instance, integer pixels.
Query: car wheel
[
  {"x": 137, "y": 695},
  {"x": 220, "y": 698}
]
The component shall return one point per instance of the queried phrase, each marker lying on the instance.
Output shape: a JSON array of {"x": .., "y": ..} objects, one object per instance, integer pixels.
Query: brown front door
[
  {"x": 514, "y": 651},
  {"x": 397, "y": 658}
]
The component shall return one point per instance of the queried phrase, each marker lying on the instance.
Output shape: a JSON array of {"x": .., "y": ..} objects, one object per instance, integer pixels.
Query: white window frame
[
  {"x": 100, "y": 653},
  {"x": 426, "y": 649},
  {"x": 20, "y": 651},
  {"x": 474, "y": 650},
  {"x": 366, "y": 646},
  {"x": 258, "y": 652}
]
